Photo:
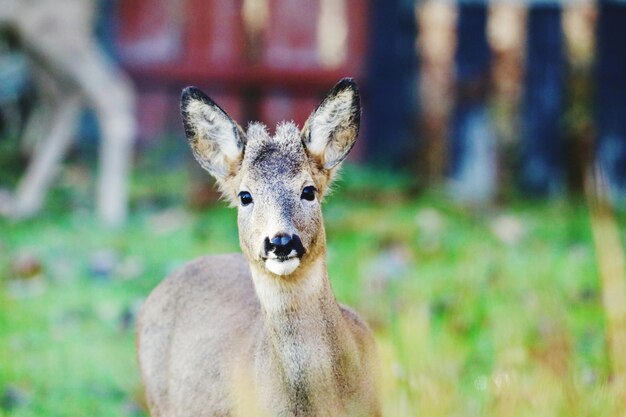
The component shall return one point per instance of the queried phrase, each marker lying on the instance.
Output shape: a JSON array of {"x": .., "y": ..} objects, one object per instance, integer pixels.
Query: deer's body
[
  {"x": 260, "y": 334},
  {"x": 239, "y": 360},
  {"x": 71, "y": 72}
]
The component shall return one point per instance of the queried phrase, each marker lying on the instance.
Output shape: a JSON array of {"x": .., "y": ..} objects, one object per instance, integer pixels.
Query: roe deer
[
  {"x": 262, "y": 334},
  {"x": 72, "y": 71}
]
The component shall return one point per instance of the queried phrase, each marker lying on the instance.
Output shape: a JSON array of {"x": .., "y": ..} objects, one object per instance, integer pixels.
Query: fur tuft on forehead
[
  {"x": 286, "y": 142},
  {"x": 257, "y": 131},
  {"x": 288, "y": 132},
  {"x": 270, "y": 158}
]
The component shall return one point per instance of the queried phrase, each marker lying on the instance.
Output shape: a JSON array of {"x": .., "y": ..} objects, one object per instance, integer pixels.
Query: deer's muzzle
[{"x": 282, "y": 253}]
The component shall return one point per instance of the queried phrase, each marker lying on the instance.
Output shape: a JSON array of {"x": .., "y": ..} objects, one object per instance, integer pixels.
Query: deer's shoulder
[
  {"x": 206, "y": 268},
  {"x": 358, "y": 327},
  {"x": 206, "y": 282},
  {"x": 210, "y": 271}
]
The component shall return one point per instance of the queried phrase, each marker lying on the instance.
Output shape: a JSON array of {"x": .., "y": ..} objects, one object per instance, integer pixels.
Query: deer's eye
[
  {"x": 308, "y": 193},
  {"x": 245, "y": 198}
]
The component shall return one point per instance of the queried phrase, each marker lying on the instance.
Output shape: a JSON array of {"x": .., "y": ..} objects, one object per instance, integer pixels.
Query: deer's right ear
[
  {"x": 331, "y": 131},
  {"x": 216, "y": 140}
]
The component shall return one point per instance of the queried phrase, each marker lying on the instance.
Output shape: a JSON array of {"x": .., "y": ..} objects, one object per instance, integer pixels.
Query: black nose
[
  {"x": 280, "y": 241},
  {"x": 281, "y": 245}
]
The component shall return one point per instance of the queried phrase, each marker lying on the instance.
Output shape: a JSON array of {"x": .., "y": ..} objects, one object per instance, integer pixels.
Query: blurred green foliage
[{"x": 491, "y": 312}]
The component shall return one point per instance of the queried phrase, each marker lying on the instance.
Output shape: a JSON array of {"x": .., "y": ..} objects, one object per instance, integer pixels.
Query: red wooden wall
[{"x": 166, "y": 45}]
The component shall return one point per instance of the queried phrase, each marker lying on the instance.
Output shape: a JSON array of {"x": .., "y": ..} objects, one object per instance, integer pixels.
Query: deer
[
  {"x": 260, "y": 333},
  {"x": 72, "y": 72}
]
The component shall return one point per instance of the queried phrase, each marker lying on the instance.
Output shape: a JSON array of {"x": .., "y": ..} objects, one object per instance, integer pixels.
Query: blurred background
[{"x": 482, "y": 209}]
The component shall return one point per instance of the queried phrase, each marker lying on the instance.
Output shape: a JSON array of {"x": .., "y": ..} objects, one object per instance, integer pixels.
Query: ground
[{"x": 478, "y": 312}]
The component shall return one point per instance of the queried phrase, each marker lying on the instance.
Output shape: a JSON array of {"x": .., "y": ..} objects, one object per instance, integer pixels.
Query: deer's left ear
[{"x": 331, "y": 131}]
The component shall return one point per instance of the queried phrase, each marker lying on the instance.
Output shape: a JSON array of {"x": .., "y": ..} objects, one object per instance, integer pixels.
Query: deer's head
[{"x": 277, "y": 182}]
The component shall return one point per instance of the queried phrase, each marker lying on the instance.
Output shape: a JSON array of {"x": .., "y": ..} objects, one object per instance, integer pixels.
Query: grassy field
[{"x": 494, "y": 312}]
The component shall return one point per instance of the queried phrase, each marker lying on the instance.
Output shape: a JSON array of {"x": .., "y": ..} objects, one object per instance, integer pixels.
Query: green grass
[{"x": 468, "y": 324}]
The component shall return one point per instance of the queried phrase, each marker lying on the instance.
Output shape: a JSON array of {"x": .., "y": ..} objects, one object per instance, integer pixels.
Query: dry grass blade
[{"x": 611, "y": 263}]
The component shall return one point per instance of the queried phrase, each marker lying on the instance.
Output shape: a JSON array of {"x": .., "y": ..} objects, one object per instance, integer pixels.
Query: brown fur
[
  {"x": 70, "y": 71},
  {"x": 226, "y": 336}
]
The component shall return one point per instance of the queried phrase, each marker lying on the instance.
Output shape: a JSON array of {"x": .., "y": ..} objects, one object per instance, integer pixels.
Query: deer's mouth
[
  {"x": 282, "y": 265},
  {"x": 282, "y": 254}
]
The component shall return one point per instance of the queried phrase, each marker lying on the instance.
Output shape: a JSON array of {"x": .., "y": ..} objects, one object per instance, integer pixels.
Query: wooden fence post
[
  {"x": 542, "y": 156},
  {"x": 472, "y": 142},
  {"x": 391, "y": 98},
  {"x": 611, "y": 98}
]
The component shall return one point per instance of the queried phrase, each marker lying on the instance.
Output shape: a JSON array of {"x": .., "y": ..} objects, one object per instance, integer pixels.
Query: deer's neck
[{"x": 304, "y": 338}]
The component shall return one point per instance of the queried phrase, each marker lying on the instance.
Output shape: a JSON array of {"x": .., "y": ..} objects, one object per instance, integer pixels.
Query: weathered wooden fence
[
  {"x": 271, "y": 59},
  {"x": 481, "y": 95}
]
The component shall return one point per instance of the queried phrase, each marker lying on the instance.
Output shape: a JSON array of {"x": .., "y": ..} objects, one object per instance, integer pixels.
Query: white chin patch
[{"x": 282, "y": 267}]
